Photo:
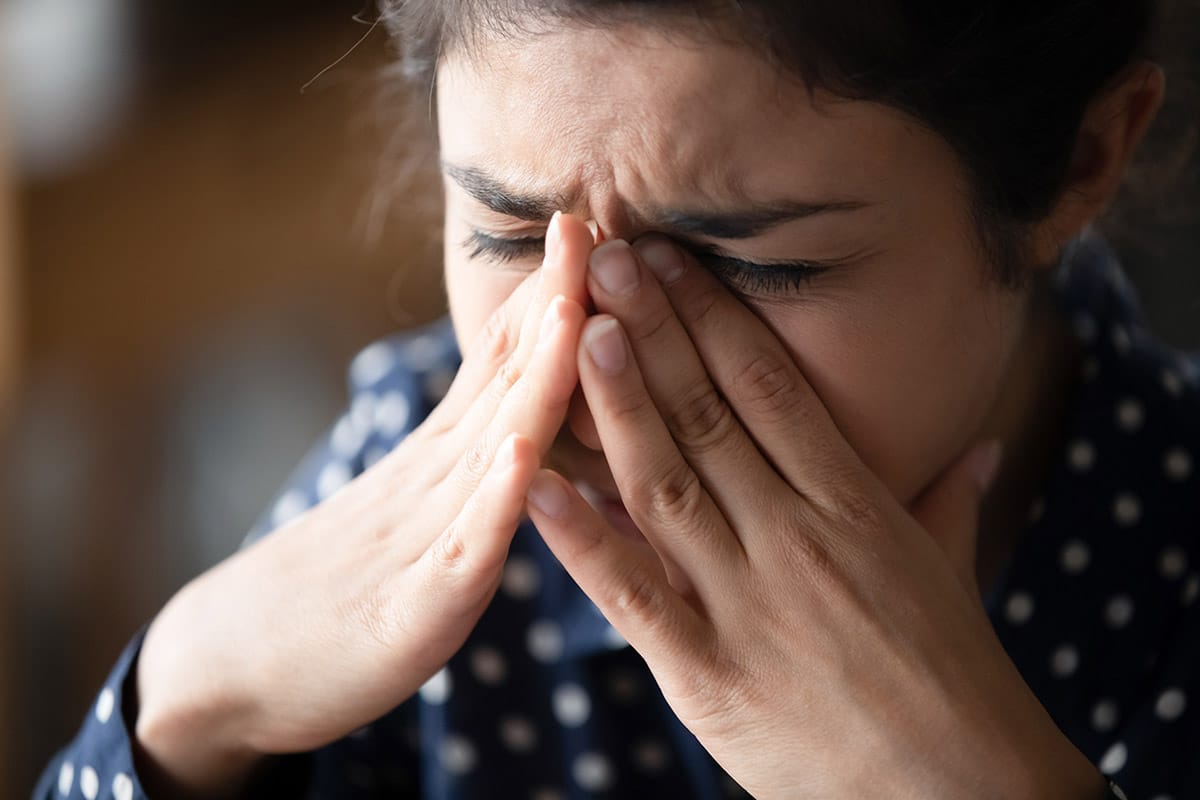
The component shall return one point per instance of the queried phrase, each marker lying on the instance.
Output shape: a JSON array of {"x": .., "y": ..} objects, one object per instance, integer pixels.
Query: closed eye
[{"x": 747, "y": 276}]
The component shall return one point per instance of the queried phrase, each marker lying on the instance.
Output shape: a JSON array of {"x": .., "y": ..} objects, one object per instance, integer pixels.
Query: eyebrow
[{"x": 738, "y": 224}]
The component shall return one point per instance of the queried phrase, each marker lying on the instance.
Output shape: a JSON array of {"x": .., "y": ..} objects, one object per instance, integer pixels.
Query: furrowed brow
[
  {"x": 499, "y": 198},
  {"x": 751, "y": 222}
]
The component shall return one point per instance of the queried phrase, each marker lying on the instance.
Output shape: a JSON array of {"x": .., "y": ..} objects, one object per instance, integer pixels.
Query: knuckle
[
  {"x": 701, "y": 419},
  {"x": 699, "y": 309},
  {"x": 498, "y": 340},
  {"x": 650, "y": 329},
  {"x": 473, "y": 465},
  {"x": 858, "y": 512},
  {"x": 638, "y": 600},
  {"x": 506, "y": 377},
  {"x": 674, "y": 497},
  {"x": 768, "y": 384}
]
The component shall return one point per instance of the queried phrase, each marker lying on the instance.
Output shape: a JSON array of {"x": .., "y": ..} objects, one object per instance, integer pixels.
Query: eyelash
[{"x": 747, "y": 276}]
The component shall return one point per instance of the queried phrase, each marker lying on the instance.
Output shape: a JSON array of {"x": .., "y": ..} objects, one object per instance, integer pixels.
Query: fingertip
[{"x": 547, "y": 494}]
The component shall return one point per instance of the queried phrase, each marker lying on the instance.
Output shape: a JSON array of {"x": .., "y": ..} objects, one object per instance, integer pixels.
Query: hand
[
  {"x": 343, "y": 613},
  {"x": 815, "y": 636}
]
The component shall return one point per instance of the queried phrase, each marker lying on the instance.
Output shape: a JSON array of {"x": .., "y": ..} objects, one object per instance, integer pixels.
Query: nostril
[{"x": 579, "y": 418}]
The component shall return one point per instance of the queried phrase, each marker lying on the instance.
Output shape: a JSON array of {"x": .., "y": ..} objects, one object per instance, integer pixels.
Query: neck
[{"x": 1029, "y": 417}]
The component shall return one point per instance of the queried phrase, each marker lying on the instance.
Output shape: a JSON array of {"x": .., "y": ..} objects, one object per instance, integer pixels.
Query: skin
[
  {"x": 893, "y": 367},
  {"x": 913, "y": 353},
  {"x": 860, "y": 583}
]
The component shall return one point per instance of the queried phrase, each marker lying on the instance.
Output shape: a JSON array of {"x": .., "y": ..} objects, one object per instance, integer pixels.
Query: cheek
[
  {"x": 906, "y": 383},
  {"x": 474, "y": 292}
]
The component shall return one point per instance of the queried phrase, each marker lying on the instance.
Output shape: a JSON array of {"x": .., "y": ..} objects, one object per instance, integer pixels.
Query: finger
[
  {"x": 707, "y": 432},
  {"x": 661, "y": 492},
  {"x": 536, "y": 405},
  {"x": 502, "y": 348},
  {"x": 758, "y": 377},
  {"x": 461, "y": 568},
  {"x": 949, "y": 508},
  {"x": 623, "y": 577}
]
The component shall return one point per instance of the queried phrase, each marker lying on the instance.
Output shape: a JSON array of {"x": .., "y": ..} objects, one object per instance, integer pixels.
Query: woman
[{"x": 852, "y": 476}]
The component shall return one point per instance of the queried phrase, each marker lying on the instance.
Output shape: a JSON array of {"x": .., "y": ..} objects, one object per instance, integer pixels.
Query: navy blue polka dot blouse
[{"x": 1097, "y": 607}]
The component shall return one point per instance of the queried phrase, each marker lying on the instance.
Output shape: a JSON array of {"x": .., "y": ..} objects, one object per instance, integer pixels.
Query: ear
[{"x": 1112, "y": 126}]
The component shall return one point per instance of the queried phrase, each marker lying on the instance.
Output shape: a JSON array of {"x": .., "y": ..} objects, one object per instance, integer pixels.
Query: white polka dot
[
  {"x": 1172, "y": 383},
  {"x": 437, "y": 383},
  {"x": 372, "y": 363},
  {"x": 437, "y": 689},
  {"x": 1081, "y": 455},
  {"x": 1190, "y": 589},
  {"x": 488, "y": 666},
  {"x": 1075, "y": 556},
  {"x": 66, "y": 777},
  {"x": 333, "y": 476},
  {"x": 571, "y": 705},
  {"x": 521, "y": 578},
  {"x": 1064, "y": 660},
  {"x": 592, "y": 772},
  {"x": 1127, "y": 509},
  {"x": 1170, "y": 704},
  {"x": 1019, "y": 607},
  {"x": 545, "y": 641},
  {"x": 1161, "y": 797},
  {"x": 392, "y": 413},
  {"x": 1090, "y": 368},
  {"x": 1118, "y": 792},
  {"x": 1177, "y": 464},
  {"x": 362, "y": 412},
  {"x": 650, "y": 755},
  {"x": 122, "y": 787},
  {"x": 1130, "y": 415},
  {"x": 1084, "y": 325},
  {"x": 457, "y": 755},
  {"x": 1172, "y": 562},
  {"x": 1120, "y": 339},
  {"x": 89, "y": 783},
  {"x": 1113, "y": 759},
  {"x": 104, "y": 704},
  {"x": 1118, "y": 611},
  {"x": 290, "y": 505},
  {"x": 518, "y": 734},
  {"x": 1036, "y": 509},
  {"x": 346, "y": 438},
  {"x": 1104, "y": 715}
]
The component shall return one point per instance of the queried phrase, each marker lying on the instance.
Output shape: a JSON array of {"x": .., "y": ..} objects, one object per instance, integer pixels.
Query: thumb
[{"x": 949, "y": 507}]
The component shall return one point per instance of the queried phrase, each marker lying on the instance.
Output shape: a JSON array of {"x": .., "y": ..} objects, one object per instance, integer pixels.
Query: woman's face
[{"x": 905, "y": 341}]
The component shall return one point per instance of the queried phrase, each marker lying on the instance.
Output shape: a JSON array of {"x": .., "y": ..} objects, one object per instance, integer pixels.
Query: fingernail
[
  {"x": 553, "y": 237},
  {"x": 662, "y": 257},
  {"x": 547, "y": 496},
  {"x": 604, "y": 345},
  {"x": 985, "y": 463},
  {"x": 594, "y": 227},
  {"x": 613, "y": 267}
]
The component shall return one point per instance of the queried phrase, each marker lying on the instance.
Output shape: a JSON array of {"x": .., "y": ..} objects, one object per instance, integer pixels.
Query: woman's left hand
[{"x": 820, "y": 640}]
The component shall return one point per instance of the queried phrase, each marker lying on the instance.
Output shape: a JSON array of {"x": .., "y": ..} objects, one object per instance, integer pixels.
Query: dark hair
[{"x": 1004, "y": 82}]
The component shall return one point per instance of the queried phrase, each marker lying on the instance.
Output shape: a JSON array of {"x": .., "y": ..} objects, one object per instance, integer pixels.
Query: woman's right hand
[{"x": 344, "y": 612}]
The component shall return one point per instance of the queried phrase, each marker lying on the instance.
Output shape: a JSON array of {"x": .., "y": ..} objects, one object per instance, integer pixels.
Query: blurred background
[{"x": 198, "y": 229}]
